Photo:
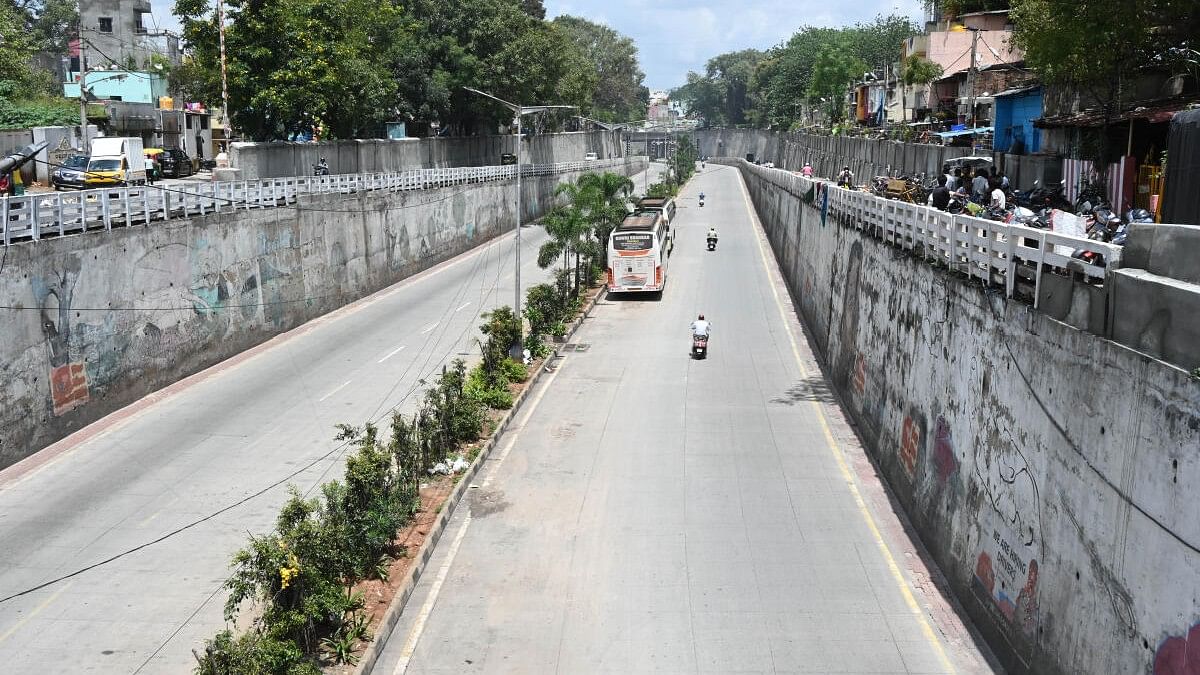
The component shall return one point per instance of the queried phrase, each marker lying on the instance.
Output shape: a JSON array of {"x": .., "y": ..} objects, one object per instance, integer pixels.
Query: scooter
[
  {"x": 712, "y": 243},
  {"x": 699, "y": 346}
]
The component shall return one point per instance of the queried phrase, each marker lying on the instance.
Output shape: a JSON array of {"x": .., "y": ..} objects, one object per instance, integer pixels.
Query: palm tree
[
  {"x": 566, "y": 226},
  {"x": 607, "y": 193}
]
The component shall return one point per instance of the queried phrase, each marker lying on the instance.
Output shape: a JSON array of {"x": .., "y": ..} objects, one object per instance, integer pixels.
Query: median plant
[{"x": 300, "y": 578}]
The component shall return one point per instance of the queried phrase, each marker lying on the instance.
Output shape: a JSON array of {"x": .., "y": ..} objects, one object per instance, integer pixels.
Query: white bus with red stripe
[{"x": 637, "y": 253}]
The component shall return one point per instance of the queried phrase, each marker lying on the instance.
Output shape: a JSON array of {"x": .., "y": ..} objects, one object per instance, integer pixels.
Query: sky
[{"x": 675, "y": 36}]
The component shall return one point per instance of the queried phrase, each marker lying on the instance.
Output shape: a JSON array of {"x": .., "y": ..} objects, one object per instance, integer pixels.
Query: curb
[{"x": 391, "y": 617}]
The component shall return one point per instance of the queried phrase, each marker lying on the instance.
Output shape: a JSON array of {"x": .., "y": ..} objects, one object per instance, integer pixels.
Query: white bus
[
  {"x": 637, "y": 253},
  {"x": 665, "y": 206}
]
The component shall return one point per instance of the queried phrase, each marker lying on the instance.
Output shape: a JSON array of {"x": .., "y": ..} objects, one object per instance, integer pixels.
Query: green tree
[
  {"x": 917, "y": 71},
  {"x": 833, "y": 70},
  {"x": 1136, "y": 36},
  {"x": 298, "y": 65},
  {"x": 613, "y": 57}
]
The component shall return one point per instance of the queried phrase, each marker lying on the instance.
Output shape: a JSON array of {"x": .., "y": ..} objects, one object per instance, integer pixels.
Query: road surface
[
  {"x": 654, "y": 513},
  {"x": 204, "y": 445}
]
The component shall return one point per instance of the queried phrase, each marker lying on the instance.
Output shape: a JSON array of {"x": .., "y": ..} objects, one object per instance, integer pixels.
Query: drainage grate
[{"x": 576, "y": 347}]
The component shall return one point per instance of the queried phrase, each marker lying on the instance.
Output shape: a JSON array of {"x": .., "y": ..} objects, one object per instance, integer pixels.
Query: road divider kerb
[{"x": 383, "y": 632}]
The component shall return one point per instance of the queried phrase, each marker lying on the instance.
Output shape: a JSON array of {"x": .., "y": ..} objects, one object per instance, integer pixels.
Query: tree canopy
[
  {"x": 766, "y": 89},
  {"x": 348, "y": 67},
  {"x": 619, "y": 94}
]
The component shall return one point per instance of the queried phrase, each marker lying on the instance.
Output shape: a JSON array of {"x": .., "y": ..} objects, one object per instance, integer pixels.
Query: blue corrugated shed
[{"x": 1016, "y": 110}]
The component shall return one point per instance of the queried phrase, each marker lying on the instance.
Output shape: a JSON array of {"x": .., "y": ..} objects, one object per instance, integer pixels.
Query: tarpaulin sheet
[{"x": 1181, "y": 199}]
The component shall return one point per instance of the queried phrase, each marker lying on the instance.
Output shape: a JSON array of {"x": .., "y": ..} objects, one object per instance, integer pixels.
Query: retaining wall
[
  {"x": 108, "y": 317},
  {"x": 279, "y": 159},
  {"x": 866, "y": 157},
  {"x": 1050, "y": 472}
]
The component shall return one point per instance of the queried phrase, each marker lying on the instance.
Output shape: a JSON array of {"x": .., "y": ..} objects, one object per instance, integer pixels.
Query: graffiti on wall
[
  {"x": 945, "y": 464},
  {"x": 68, "y": 375},
  {"x": 1179, "y": 654},
  {"x": 912, "y": 435},
  {"x": 1006, "y": 567}
]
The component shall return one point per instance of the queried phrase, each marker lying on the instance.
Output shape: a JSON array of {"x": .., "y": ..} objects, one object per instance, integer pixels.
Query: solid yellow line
[
  {"x": 837, "y": 451},
  {"x": 36, "y": 610}
]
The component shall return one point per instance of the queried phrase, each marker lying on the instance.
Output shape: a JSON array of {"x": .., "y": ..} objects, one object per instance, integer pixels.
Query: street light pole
[{"x": 518, "y": 112}]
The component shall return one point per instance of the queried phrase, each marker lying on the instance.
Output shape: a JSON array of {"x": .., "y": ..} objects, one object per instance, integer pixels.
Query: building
[
  {"x": 1016, "y": 111},
  {"x": 999, "y": 65},
  {"x": 120, "y": 32}
]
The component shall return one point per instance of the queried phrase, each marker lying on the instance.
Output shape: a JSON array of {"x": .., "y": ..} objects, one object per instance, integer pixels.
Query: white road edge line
[
  {"x": 430, "y": 327},
  {"x": 414, "y": 635},
  {"x": 839, "y": 455},
  {"x": 339, "y": 388},
  {"x": 410, "y": 645},
  {"x": 464, "y": 306},
  {"x": 392, "y": 353}
]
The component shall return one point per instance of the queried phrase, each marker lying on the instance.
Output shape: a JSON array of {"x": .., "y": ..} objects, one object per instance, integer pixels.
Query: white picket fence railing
[
  {"x": 32, "y": 217},
  {"x": 998, "y": 253}
]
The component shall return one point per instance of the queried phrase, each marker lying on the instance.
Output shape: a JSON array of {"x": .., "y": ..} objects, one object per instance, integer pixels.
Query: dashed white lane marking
[
  {"x": 464, "y": 306},
  {"x": 392, "y": 353},
  {"x": 430, "y": 327},
  {"x": 339, "y": 388}
]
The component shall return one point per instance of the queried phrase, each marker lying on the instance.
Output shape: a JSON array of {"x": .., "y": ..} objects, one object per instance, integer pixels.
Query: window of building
[
  {"x": 204, "y": 121},
  {"x": 106, "y": 24},
  {"x": 188, "y": 120}
]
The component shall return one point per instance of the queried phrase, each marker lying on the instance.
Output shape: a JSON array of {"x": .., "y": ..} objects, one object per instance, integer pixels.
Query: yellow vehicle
[{"x": 116, "y": 161}]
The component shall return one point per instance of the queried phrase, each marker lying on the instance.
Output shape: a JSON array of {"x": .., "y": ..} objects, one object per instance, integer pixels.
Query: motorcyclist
[
  {"x": 701, "y": 196},
  {"x": 321, "y": 168},
  {"x": 845, "y": 178},
  {"x": 807, "y": 171},
  {"x": 700, "y": 327},
  {"x": 712, "y": 236}
]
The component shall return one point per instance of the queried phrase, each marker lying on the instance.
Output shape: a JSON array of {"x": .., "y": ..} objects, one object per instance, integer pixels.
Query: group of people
[{"x": 980, "y": 185}]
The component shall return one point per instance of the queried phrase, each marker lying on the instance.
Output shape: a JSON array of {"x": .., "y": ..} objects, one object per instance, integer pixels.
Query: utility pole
[
  {"x": 224, "y": 76},
  {"x": 973, "y": 74},
  {"x": 83, "y": 70}
]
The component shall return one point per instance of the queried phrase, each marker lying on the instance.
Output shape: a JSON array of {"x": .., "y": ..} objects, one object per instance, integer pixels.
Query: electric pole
[{"x": 972, "y": 75}]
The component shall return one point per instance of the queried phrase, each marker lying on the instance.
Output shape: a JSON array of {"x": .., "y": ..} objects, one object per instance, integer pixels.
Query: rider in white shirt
[{"x": 701, "y": 327}]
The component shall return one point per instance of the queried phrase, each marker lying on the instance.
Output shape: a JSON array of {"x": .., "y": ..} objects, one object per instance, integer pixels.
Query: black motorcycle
[{"x": 712, "y": 243}]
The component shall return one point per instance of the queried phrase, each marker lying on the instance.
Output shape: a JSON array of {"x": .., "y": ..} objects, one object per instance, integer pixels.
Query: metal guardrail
[
  {"x": 33, "y": 217},
  {"x": 998, "y": 253}
]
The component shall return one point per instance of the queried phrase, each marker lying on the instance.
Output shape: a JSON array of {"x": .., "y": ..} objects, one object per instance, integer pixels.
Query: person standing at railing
[
  {"x": 979, "y": 186},
  {"x": 939, "y": 197}
]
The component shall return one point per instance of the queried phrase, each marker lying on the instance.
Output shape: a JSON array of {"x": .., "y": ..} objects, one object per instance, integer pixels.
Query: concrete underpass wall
[
  {"x": 866, "y": 157},
  {"x": 278, "y": 159},
  {"x": 1052, "y": 473},
  {"x": 111, "y": 316}
]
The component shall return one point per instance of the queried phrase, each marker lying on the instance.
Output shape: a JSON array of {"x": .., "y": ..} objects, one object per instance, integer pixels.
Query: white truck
[{"x": 116, "y": 161}]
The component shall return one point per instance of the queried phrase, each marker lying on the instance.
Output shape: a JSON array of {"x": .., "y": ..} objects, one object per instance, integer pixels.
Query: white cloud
[{"x": 675, "y": 36}]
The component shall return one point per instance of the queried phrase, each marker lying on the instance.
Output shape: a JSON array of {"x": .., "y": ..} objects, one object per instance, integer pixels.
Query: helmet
[{"x": 701, "y": 317}]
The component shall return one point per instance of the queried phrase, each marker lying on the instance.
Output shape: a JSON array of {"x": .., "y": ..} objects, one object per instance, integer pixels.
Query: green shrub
[
  {"x": 254, "y": 654},
  {"x": 487, "y": 391},
  {"x": 515, "y": 371}
]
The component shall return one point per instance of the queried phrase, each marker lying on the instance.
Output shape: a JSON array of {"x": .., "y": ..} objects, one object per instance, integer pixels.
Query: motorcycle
[
  {"x": 701, "y": 199},
  {"x": 700, "y": 346},
  {"x": 321, "y": 169},
  {"x": 712, "y": 243}
]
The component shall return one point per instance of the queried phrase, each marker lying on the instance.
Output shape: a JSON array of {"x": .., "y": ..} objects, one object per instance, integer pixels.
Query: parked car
[
  {"x": 591, "y": 156},
  {"x": 70, "y": 174},
  {"x": 175, "y": 163}
]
